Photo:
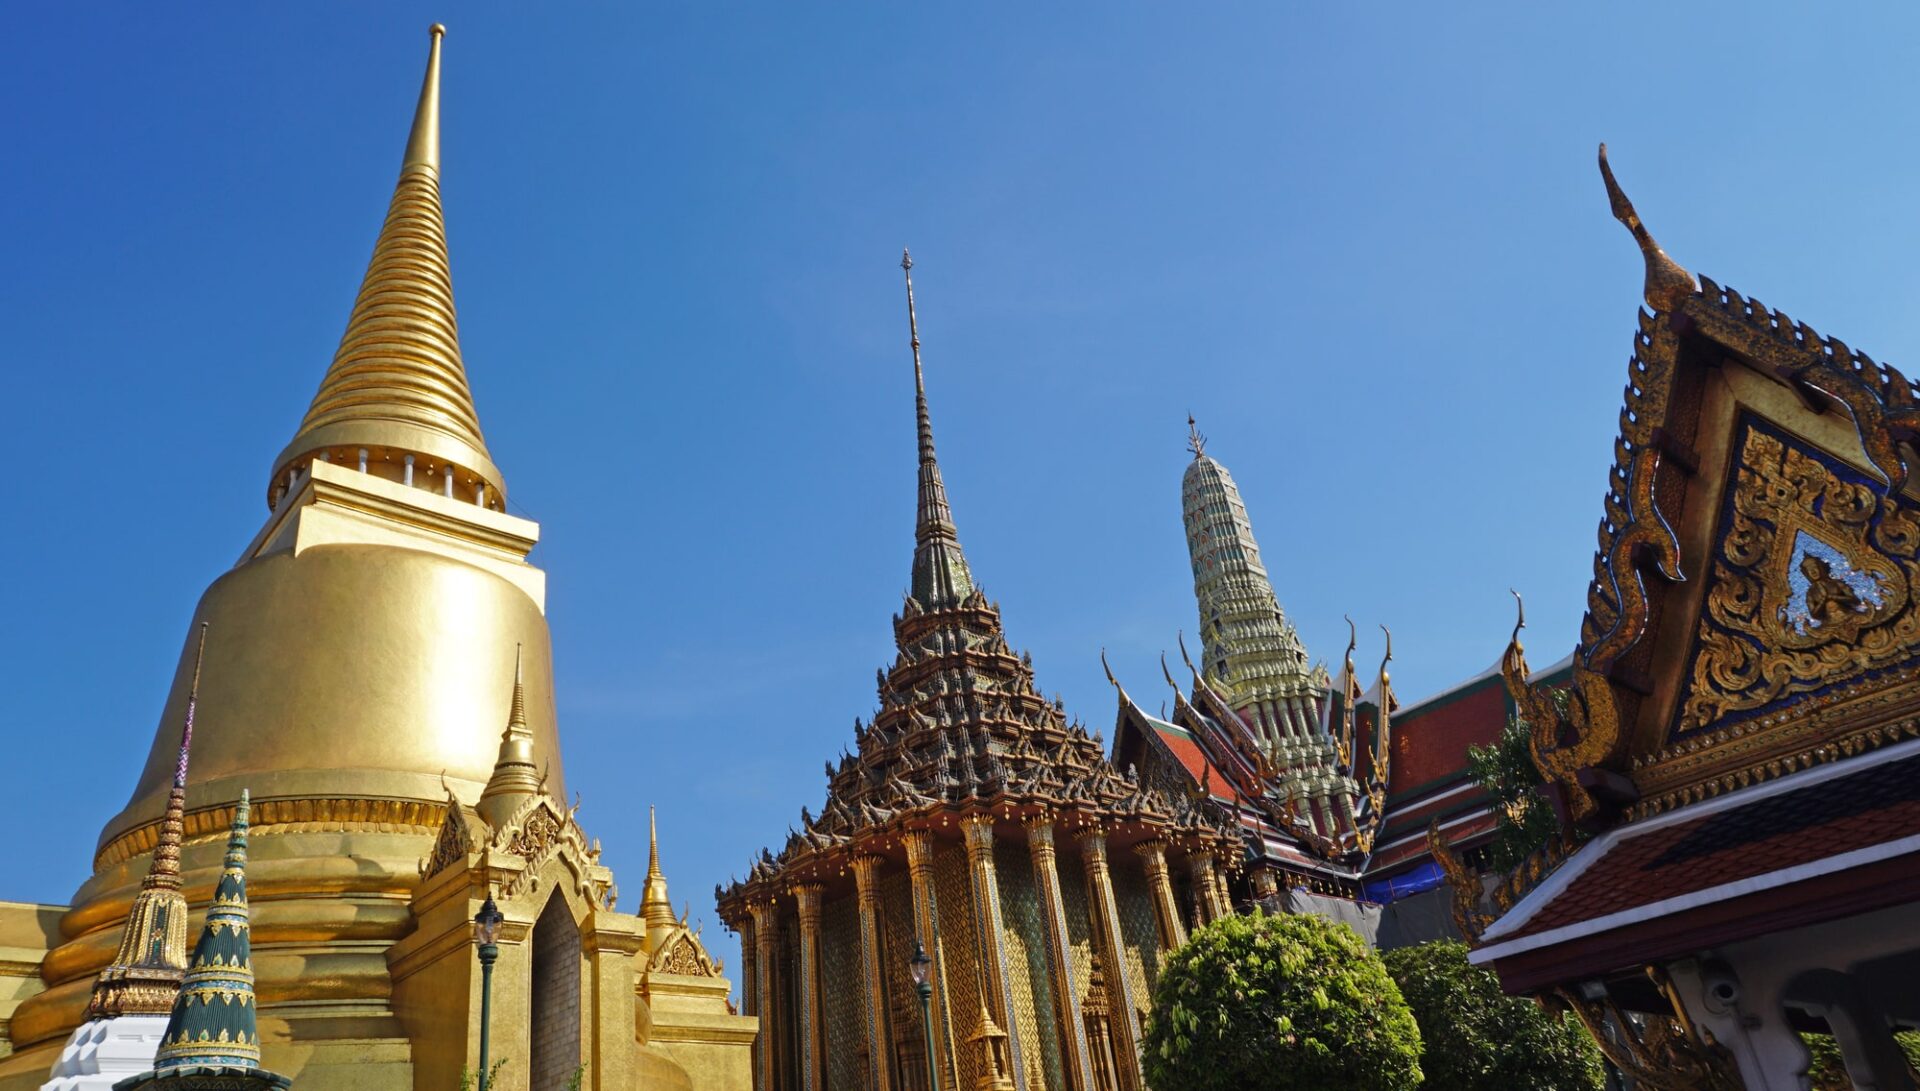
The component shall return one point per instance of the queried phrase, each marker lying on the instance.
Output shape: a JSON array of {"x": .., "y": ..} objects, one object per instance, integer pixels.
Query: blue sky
[{"x": 1365, "y": 245}]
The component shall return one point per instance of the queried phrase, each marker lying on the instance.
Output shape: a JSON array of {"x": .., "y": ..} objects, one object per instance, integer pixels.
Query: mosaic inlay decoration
[{"x": 1811, "y": 585}]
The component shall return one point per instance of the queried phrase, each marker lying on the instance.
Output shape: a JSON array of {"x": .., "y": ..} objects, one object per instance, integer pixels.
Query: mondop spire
[
  {"x": 940, "y": 575},
  {"x": 397, "y": 387}
]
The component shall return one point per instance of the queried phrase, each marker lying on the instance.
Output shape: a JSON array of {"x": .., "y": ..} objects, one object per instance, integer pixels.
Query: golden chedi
[{"x": 360, "y": 660}]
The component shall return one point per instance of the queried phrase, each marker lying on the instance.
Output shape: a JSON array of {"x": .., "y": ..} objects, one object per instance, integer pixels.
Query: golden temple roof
[{"x": 397, "y": 385}]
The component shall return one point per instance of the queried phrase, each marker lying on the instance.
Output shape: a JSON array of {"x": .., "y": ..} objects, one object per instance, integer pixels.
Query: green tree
[
  {"x": 1279, "y": 1003},
  {"x": 1505, "y": 771},
  {"x": 1477, "y": 1038}
]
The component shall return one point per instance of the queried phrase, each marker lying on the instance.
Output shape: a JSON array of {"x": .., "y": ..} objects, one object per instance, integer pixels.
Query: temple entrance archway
[{"x": 554, "y": 1038}]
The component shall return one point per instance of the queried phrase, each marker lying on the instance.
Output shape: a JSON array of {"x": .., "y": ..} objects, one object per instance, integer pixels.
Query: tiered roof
[{"x": 960, "y": 724}]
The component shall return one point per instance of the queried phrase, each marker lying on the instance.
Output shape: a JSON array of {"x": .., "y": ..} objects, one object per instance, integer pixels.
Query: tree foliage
[
  {"x": 1505, "y": 771},
  {"x": 1279, "y": 1003},
  {"x": 1829, "y": 1071},
  {"x": 1477, "y": 1038}
]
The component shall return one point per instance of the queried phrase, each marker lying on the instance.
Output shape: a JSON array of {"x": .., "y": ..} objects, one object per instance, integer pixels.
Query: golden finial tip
[
  {"x": 906, "y": 258},
  {"x": 438, "y": 30}
]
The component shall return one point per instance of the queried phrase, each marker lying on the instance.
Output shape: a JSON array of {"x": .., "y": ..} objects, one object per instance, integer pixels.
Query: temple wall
[
  {"x": 959, "y": 944},
  {"x": 1026, "y": 942},
  {"x": 842, "y": 999}
]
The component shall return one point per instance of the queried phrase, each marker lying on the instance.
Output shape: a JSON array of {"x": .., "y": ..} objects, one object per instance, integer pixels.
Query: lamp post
[
  {"x": 486, "y": 929},
  {"x": 921, "y": 967}
]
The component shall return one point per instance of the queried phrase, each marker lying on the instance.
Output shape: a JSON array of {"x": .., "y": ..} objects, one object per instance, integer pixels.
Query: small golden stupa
[{"x": 360, "y": 661}]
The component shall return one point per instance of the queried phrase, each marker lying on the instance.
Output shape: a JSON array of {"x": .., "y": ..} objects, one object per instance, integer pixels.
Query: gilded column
[
  {"x": 1112, "y": 948},
  {"x": 866, "y": 873},
  {"x": 1222, "y": 899},
  {"x": 766, "y": 938},
  {"x": 749, "y": 973},
  {"x": 926, "y": 916},
  {"x": 1206, "y": 904},
  {"x": 813, "y": 1072},
  {"x": 1073, "y": 1031},
  {"x": 1265, "y": 884},
  {"x": 1166, "y": 911},
  {"x": 993, "y": 946}
]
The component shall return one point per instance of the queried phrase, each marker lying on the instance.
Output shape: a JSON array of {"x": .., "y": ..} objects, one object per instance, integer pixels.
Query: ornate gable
[{"x": 1752, "y": 608}]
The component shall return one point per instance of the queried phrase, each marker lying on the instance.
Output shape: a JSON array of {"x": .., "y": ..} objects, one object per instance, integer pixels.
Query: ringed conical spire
[
  {"x": 940, "y": 574},
  {"x": 396, "y": 394}
]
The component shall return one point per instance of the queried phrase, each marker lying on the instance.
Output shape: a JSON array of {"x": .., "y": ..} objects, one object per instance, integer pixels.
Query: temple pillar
[
  {"x": 978, "y": 829},
  {"x": 1201, "y": 867},
  {"x": 812, "y": 1029},
  {"x": 766, "y": 1005},
  {"x": 1166, "y": 911},
  {"x": 749, "y": 981},
  {"x": 1073, "y": 1032},
  {"x": 866, "y": 874},
  {"x": 1112, "y": 947},
  {"x": 1222, "y": 894},
  {"x": 919, "y": 846}
]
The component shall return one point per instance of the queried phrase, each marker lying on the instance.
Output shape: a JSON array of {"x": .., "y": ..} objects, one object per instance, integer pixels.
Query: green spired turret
[{"x": 212, "y": 1038}]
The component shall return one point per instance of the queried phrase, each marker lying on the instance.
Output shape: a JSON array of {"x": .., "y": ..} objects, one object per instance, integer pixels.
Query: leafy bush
[
  {"x": 1279, "y": 1003},
  {"x": 1477, "y": 1038}
]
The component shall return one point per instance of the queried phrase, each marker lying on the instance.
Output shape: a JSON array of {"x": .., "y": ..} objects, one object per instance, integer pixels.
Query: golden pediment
[{"x": 1810, "y": 586}]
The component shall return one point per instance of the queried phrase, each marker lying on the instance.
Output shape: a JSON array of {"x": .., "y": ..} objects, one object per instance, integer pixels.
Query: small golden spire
[
  {"x": 515, "y": 777},
  {"x": 1667, "y": 283},
  {"x": 655, "y": 908},
  {"x": 398, "y": 385},
  {"x": 1196, "y": 442}
]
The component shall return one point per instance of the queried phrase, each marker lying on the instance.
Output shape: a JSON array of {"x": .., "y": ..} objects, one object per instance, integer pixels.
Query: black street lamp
[
  {"x": 486, "y": 928},
  {"x": 921, "y": 967}
]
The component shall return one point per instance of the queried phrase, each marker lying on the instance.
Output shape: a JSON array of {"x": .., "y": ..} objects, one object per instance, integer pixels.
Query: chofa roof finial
[{"x": 1667, "y": 283}]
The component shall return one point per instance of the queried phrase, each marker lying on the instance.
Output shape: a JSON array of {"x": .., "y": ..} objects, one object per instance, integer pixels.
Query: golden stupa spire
[
  {"x": 397, "y": 388},
  {"x": 655, "y": 909},
  {"x": 145, "y": 973},
  {"x": 515, "y": 777}
]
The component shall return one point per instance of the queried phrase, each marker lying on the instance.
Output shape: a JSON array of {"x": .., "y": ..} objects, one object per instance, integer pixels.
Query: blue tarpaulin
[{"x": 1425, "y": 877}]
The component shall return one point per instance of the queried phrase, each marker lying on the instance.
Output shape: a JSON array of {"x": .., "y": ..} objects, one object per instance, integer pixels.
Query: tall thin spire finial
[
  {"x": 1196, "y": 442},
  {"x": 919, "y": 375},
  {"x": 940, "y": 574},
  {"x": 423, "y": 143},
  {"x": 655, "y": 907}
]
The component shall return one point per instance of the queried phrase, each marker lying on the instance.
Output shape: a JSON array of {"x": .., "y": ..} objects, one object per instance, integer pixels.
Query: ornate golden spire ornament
[
  {"x": 1667, "y": 283},
  {"x": 515, "y": 777},
  {"x": 1196, "y": 442},
  {"x": 145, "y": 973},
  {"x": 655, "y": 908},
  {"x": 940, "y": 573},
  {"x": 398, "y": 386}
]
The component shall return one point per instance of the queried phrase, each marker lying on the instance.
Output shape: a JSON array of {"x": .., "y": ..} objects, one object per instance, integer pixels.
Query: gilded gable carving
[{"x": 1812, "y": 583}]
